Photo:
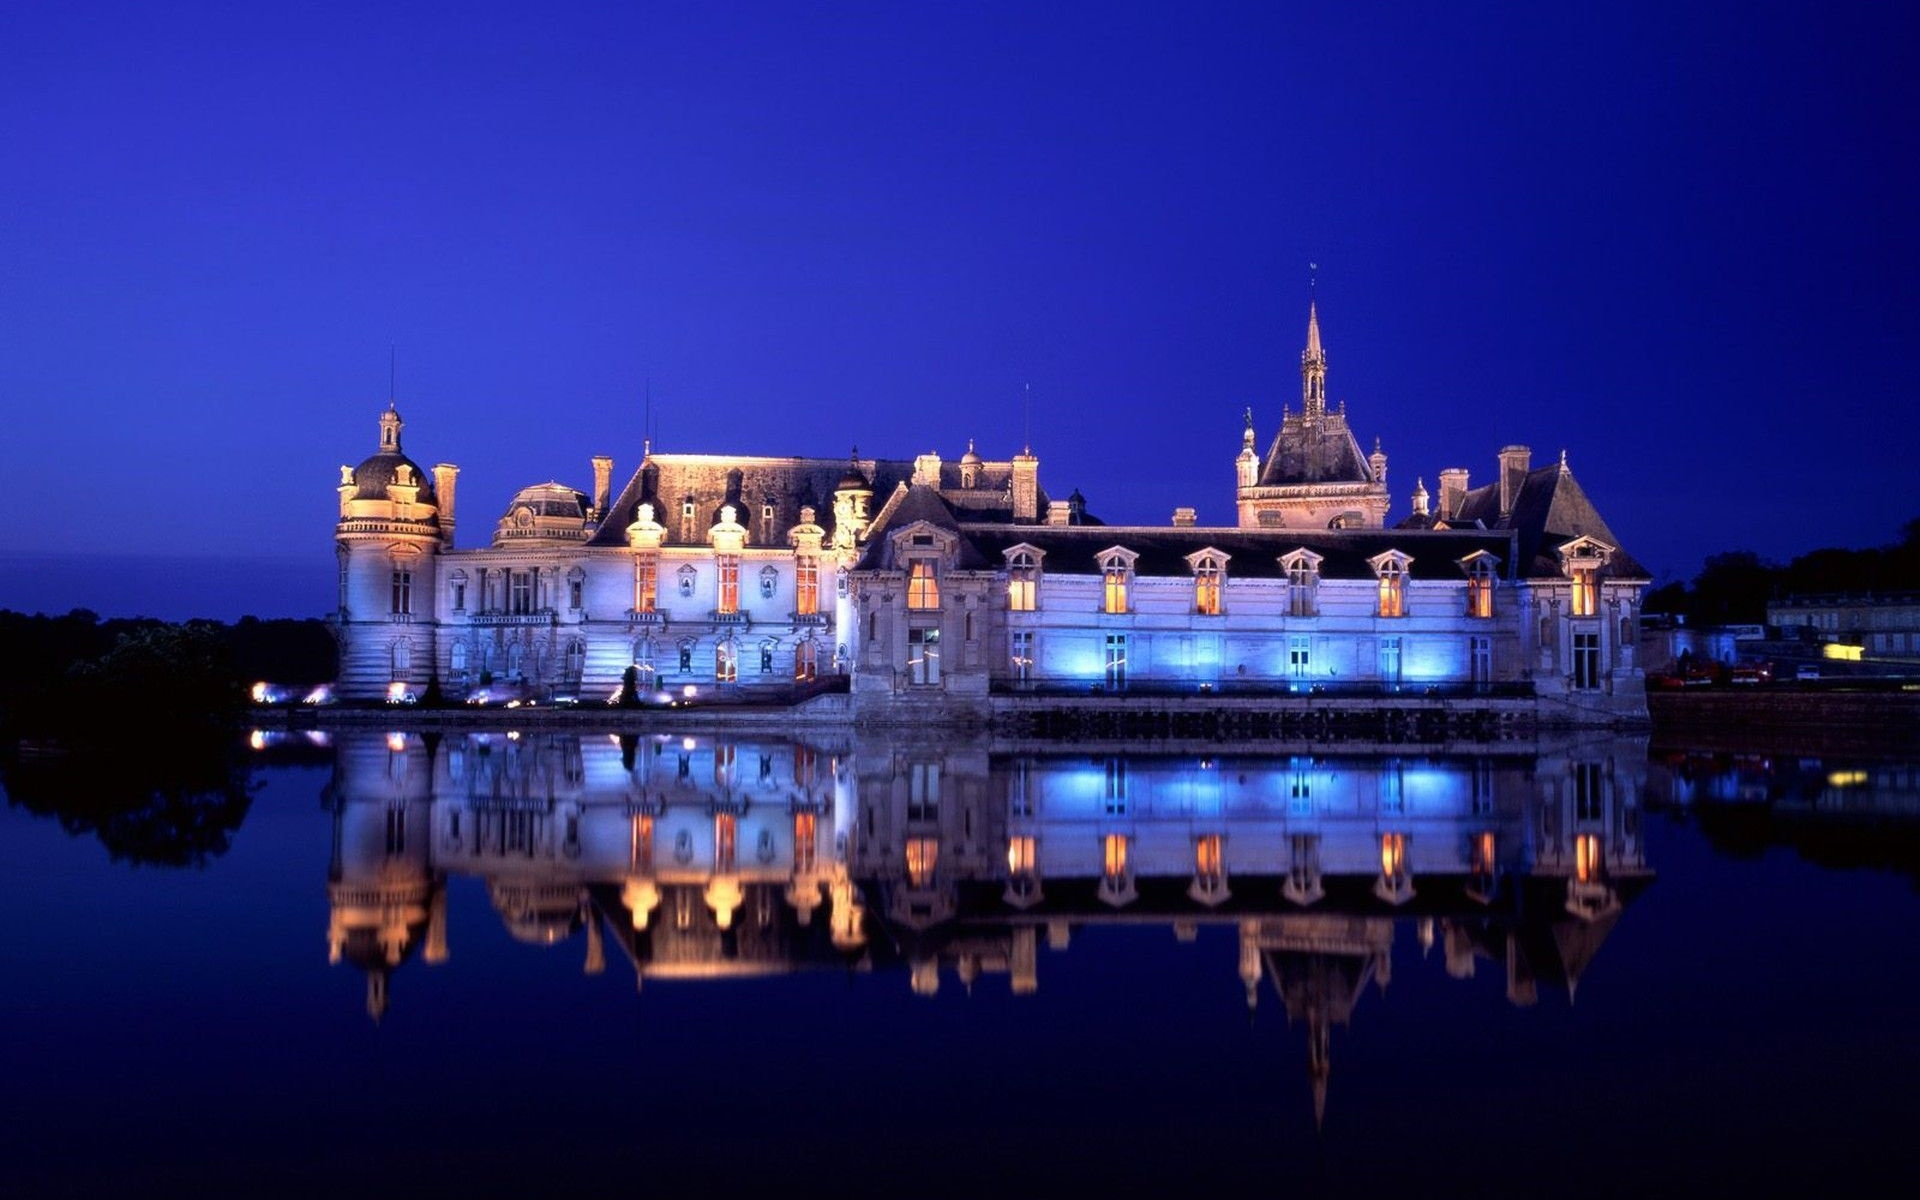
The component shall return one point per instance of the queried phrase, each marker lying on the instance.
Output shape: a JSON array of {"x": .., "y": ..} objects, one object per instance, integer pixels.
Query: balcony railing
[{"x": 543, "y": 617}]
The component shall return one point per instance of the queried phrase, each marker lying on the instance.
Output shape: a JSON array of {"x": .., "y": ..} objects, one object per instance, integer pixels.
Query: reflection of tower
[
  {"x": 384, "y": 899},
  {"x": 1321, "y": 964}
]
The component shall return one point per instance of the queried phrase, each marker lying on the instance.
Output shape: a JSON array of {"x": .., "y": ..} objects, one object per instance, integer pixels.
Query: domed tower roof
[
  {"x": 852, "y": 479},
  {"x": 545, "y": 512},
  {"x": 382, "y": 468},
  {"x": 972, "y": 457}
]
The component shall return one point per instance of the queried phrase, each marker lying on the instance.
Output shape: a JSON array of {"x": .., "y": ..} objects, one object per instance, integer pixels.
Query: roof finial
[{"x": 1563, "y": 458}]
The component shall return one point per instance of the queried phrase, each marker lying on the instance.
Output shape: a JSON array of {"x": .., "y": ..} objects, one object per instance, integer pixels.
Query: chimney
[
  {"x": 444, "y": 475},
  {"x": 1513, "y": 472},
  {"x": 602, "y": 485},
  {"x": 1026, "y": 488},
  {"x": 1059, "y": 513},
  {"x": 1453, "y": 492},
  {"x": 926, "y": 470},
  {"x": 1184, "y": 517}
]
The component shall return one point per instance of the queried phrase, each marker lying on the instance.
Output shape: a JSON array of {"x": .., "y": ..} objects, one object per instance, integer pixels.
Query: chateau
[{"x": 930, "y": 589}]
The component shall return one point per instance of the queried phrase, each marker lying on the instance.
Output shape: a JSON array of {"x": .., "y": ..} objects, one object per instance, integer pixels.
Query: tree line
[{"x": 1734, "y": 588}]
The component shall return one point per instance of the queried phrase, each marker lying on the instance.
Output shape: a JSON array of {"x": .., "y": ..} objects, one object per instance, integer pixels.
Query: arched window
[
  {"x": 766, "y": 657},
  {"x": 1117, "y": 576},
  {"x": 402, "y": 657},
  {"x": 726, "y": 662},
  {"x": 457, "y": 658},
  {"x": 576, "y": 661},
  {"x": 1480, "y": 588},
  {"x": 1206, "y": 587},
  {"x": 1023, "y": 582},
  {"x": 1393, "y": 588},
  {"x": 923, "y": 587},
  {"x": 806, "y": 661},
  {"x": 686, "y": 654},
  {"x": 1303, "y": 583}
]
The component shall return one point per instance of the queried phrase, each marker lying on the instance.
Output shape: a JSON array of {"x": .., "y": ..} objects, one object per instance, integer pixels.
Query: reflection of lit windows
[
  {"x": 1023, "y": 578},
  {"x": 1586, "y": 857},
  {"x": 1206, "y": 587},
  {"x": 923, "y": 589},
  {"x": 1586, "y": 791},
  {"x": 1393, "y": 856},
  {"x": 923, "y": 792},
  {"x": 1480, "y": 588},
  {"x": 1020, "y": 855},
  {"x": 725, "y": 829},
  {"x": 1483, "y": 853},
  {"x": 805, "y": 830},
  {"x": 922, "y": 854},
  {"x": 806, "y": 585},
  {"x": 1113, "y": 856},
  {"x": 1209, "y": 865},
  {"x": 1586, "y": 660}
]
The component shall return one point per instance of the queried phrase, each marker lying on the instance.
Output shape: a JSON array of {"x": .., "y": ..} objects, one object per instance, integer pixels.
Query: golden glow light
[
  {"x": 922, "y": 854},
  {"x": 1842, "y": 653},
  {"x": 1115, "y": 855},
  {"x": 1020, "y": 855},
  {"x": 1586, "y": 857},
  {"x": 1393, "y": 854}
]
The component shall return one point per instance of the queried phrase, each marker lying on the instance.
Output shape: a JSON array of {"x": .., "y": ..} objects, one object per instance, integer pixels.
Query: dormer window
[
  {"x": 1586, "y": 589},
  {"x": 1303, "y": 583},
  {"x": 1391, "y": 568},
  {"x": 923, "y": 586},
  {"x": 1480, "y": 577},
  {"x": 1209, "y": 569},
  {"x": 1116, "y": 581},
  {"x": 1023, "y": 582}
]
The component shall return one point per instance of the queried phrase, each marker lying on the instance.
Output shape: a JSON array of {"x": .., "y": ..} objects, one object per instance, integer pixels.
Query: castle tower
[
  {"x": 388, "y": 540},
  {"x": 1314, "y": 475}
]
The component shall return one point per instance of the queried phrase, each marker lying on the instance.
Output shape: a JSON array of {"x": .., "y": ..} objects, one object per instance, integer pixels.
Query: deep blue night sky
[{"x": 1677, "y": 242}]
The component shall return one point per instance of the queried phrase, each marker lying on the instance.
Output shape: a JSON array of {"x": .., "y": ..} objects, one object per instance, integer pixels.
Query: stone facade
[{"x": 932, "y": 588}]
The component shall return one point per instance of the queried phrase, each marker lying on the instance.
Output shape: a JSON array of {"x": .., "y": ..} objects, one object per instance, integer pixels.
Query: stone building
[{"x": 935, "y": 589}]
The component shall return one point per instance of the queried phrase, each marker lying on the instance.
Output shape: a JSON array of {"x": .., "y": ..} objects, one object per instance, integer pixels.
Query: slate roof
[
  {"x": 1252, "y": 553},
  {"x": 374, "y": 474},
  {"x": 1550, "y": 510},
  {"x": 712, "y": 480},
  {"x": 1314, "y": 450}
]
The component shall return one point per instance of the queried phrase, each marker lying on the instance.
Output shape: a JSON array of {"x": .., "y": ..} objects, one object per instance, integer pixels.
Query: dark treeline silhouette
[
  {"x": 129, "y": 729},
  {"x": 1733, "y": 588}
]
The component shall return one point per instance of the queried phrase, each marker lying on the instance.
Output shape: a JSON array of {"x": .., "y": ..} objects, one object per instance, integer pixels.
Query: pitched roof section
[
  {"x": 668, "y": 480},
  {"x": 1550, "y": 510},
  {"x": 1314, "y": 450},
  {"x": 912, "y": 505}
]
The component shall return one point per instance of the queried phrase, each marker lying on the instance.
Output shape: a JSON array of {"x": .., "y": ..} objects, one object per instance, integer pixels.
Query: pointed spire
[
  {"x": 1313, "y": 330},
  {"x": 1313, "y": 367}
]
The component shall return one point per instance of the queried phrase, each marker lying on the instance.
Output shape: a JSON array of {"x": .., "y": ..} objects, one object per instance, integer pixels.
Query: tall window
[
  {"x": 1586, "y": 591},
  {"x": 1302, "y": 576},
  {"x": 1393, "y": 588},
  {"x": 1480, "y": 588},
  {"x": 1480, "y": 661},
  {"x": 575, "y": 593},
  {"x": 402, "y": 591},
  {"x": 1022, "y": 582},
  {"x": 726, "y": 662},
  {"x": 923, "y": 589},
  {"x": 520, "y": 592},
  {"x": 646, "y": 583},
  {"x": 1390, "y": 661},
  {"x": 459, "y": 595},
  {"x": 766, "y": 657},
  {"x": 643, "y": 662},
  {"x": 1116, "y": 661},
  {"x": 1116, "y": 574},
  {"x": 806, "y": 585},
  {"x": 806, "y": 661},
  {"x": 686, "y": 519},
  {"x": 729, "y": 590},
  {"x": 1299, "y": 657},
  {"x": 1586, "y": 660},
  {"x": 923, "y": 656},
  {"x": 1206, "y": 587},
  {"x": 1023, "y": 655},
  {"x": 576, "y": 661}
]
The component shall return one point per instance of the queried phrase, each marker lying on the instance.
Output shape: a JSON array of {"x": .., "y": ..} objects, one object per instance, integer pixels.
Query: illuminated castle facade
[{"x": 931, "y": 589}]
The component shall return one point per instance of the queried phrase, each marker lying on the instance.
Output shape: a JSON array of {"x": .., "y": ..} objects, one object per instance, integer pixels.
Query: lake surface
[{"x": 391, "y": 962}]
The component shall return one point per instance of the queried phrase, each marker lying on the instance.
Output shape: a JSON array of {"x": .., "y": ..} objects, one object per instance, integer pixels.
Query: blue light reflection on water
[{"x": 1746, "y": 1022}]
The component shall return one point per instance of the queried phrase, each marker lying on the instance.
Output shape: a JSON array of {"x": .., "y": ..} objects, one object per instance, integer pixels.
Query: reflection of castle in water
[{"x": 706, "y": 857}]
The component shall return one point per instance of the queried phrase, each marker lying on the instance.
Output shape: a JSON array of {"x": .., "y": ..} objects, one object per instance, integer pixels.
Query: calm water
[{"x": 415, "y": 963}]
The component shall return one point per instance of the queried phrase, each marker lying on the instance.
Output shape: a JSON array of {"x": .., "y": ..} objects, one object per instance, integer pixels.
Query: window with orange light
[
  {"x": 729, "y": 594},
  {"x": 1114, "y": 855},
  {"x": 923, "y": 587},
  {"x": 1116, "y": 576},
  {"x": 1586, "y": 857},
  {"x": 1393, "y": 589},
  {"x": 1022, "y": 583},
  {"x": 646, "y": 583},
  {"x": 806, "y": 585},
  {"x": 1480, "y": 589},
  {"x": 922, "y": 854},
  {"x": 1206, "y": 588},
  {"x": 1020, "y": 855},
  {"x": 1586, "y": 591}
]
